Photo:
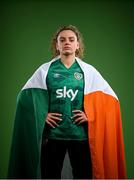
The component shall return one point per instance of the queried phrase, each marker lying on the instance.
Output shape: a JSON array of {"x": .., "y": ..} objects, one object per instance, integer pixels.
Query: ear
[
  {"x": 57, "y": 46},
  {"x": 78, "y": 45}
]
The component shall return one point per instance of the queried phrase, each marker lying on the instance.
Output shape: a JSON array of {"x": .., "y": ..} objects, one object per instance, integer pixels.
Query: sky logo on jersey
[{"x": 66, "y": 93}]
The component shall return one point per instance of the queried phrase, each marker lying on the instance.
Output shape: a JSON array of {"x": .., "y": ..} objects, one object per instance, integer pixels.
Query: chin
[{"x": 67, "y": 53}]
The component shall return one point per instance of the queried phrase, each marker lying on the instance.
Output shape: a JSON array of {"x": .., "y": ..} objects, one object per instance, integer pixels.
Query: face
[{"x": 67, "y": 43}]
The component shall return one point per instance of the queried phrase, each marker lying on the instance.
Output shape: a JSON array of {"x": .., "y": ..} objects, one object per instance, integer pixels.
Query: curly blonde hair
[{"x": 79, "y": 52}]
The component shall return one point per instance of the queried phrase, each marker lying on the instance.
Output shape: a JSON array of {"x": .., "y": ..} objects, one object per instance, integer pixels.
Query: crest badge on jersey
[{"x": 78, "y": 76}]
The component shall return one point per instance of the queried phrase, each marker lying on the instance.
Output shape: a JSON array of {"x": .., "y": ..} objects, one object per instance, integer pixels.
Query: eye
[
  {"x": 71, "y": 40},
  {"x": 62, "y": 40}
]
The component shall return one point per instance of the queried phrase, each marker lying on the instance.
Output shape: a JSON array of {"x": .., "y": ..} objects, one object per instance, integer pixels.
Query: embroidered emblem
[{"x": 78, "y": 76}]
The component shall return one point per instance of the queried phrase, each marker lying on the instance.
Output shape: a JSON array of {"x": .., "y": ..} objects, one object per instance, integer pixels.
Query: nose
[{"x": 67, "y": 42}]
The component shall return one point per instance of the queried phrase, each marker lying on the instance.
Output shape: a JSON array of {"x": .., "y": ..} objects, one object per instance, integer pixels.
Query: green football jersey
[{"x": 66, "y": 93}]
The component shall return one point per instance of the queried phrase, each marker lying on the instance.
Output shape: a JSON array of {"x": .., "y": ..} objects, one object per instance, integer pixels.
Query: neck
[{"x": 67, "y": 60}]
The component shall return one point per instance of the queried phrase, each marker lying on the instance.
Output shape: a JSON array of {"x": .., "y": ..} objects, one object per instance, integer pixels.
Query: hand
[
  {"x": 80, "y": 117},
  {"x": 52, "y": 119}
]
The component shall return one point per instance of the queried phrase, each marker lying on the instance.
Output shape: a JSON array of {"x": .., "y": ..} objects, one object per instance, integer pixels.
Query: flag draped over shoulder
[{"x": 105, "y": 131}]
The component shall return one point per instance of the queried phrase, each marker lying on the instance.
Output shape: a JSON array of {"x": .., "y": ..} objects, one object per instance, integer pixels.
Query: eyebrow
[{"x": 65, "y": 37}]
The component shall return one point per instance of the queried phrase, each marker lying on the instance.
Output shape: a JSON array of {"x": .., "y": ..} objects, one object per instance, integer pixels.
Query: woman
[
  {"x": 66, "y": 121},
  {"x": 70, "y": 105}
]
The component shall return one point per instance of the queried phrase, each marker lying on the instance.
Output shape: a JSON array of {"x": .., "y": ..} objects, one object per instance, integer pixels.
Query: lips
[{"x": 67, "y": 47}]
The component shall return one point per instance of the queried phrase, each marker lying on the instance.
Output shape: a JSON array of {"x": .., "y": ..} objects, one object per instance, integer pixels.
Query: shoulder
[
  {"x": 88, "y": 68},
  {"x": 45, "y": 66}
]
